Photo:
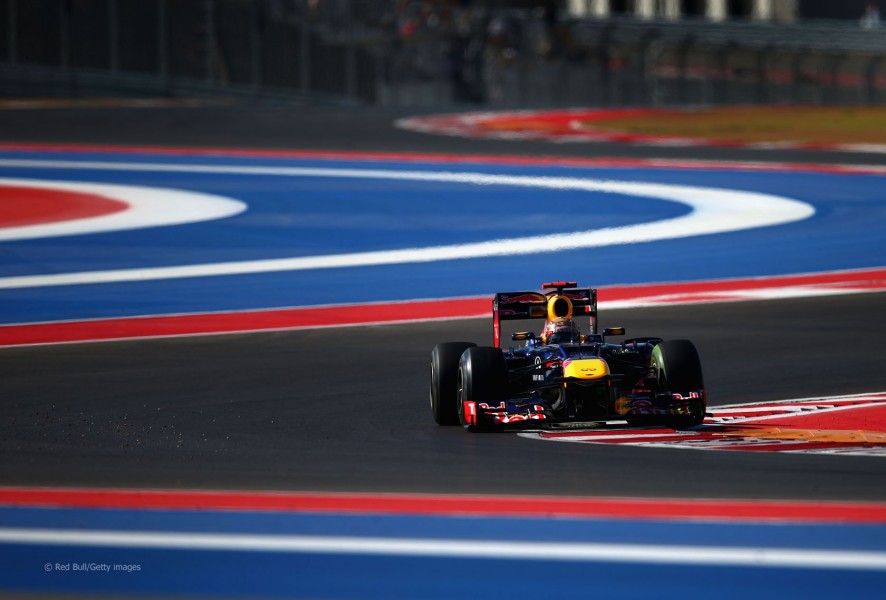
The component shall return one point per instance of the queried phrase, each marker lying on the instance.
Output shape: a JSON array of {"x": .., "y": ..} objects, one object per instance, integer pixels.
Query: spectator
[{"x": 871, "y": 17}]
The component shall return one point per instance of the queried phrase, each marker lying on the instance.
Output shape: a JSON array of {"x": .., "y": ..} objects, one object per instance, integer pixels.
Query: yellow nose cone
[{"x": 588, "y": 368}]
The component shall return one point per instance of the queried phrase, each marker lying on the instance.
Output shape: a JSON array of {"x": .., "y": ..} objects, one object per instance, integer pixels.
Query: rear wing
[{"x": 511, "y": 306}]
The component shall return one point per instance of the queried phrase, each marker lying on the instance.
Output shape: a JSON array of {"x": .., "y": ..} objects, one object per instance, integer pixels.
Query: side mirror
[
  {"x": 523, "y": 335},
  {"x": 613, "y": 331}
]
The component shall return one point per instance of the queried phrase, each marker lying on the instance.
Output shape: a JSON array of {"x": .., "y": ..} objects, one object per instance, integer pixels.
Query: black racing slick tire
[
  {"x": 444, "y": 379},
  {"x": 482, "y": 378},
  {"x": 678, "y": 369}
]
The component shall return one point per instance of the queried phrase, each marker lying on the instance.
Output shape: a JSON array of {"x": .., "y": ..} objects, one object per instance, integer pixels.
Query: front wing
[{"x": 645, "y": 405}]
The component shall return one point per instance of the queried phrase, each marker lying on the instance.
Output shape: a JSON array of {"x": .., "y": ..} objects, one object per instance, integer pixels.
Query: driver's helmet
[{"x": 561, "y": 331}]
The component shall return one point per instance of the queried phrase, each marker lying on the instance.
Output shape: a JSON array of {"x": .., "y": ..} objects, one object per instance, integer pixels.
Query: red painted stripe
[
  {"x": 22, "y": 205},
  {"x": 861, "y": 279},
  {"x": 813, "y": 425},
  {"x": 233, "y": 322},
  {"x": 864, "y": 417},
  {"x": 561, "y": 118},
  {"x": 558, "y": 126},
  {"x": 428, "y": 504},
  {"x": 836, "y": 169},
  {"x": 421, "y": 310},
  {"x": 792, "y": 446}
]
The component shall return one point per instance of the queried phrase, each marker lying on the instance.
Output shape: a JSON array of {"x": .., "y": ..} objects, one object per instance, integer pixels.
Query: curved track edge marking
[
  {"x": 449, "y": 505},
  {"x": 316, "y": 317},
  {"x": 853, "y": 425},
  {"x": 574, "y": 125},
  {"x": 713, "y": 211},
  {"x": 413, "y": 157}
]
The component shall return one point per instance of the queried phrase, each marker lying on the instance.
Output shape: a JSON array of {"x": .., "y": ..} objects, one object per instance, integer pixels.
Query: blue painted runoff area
[
  {"x": 324, "y": 214},
  {"x": 142, "y": 570}
]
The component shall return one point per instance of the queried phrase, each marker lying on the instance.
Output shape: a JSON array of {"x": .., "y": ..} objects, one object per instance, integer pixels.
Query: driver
[{"x": 561, "y": 331}]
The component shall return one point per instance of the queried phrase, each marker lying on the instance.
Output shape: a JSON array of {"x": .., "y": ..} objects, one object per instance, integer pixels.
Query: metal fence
[{"x": 424, "y": 54}]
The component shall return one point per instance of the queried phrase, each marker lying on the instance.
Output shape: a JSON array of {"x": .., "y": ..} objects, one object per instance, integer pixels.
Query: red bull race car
[{"x": 563, "y": 375}]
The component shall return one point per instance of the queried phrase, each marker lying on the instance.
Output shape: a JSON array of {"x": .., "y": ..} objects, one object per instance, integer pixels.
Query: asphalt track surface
[{"x": 347, "y": 410}]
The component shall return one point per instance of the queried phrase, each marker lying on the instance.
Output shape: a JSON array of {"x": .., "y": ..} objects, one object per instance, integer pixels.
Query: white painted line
[
  {"x": 600, "y": 437},
  {"x": 879, "y": 395},
  {"x": 871, "y": 148},
  {"x": 514, "y": 550},
  {"x": 767, "y": 408},
  {"x": 714, "y": 210},
  {"x": 799, "y": 414}
]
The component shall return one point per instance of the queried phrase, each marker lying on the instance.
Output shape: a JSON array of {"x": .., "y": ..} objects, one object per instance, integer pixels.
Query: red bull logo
[{"x": 522, "y": 299}]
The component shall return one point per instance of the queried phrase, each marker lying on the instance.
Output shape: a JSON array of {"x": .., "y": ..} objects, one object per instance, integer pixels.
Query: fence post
[
  {"x": 113, "y": 57},
  {"x": 650, "y": 63},
  {"x": 796, "y": 76},
  {"x": 209, "y": 10},
  {"x": 724, "y": 91},
  {"x": 304, "y": 58},
  {"x": 350, "y": 56},
  {"x": 605, "y": 59},
  {"x": 683, "y": 49},
  {"x": 762, "y": 65},
  {"x": 870, "y": 96},
  {"x": 647, "y": 92},
  {"x": 12, "y": 39},
  {"x": 256, "y": 22},
  {"x": 162, "y": 42},
  {"x": 64, "y": 34}
]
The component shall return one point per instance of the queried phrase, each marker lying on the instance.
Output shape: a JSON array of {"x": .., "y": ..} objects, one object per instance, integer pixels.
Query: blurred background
[{"x": 434, "y": 54}]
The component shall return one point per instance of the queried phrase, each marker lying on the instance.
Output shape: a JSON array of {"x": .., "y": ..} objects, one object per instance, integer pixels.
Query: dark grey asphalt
[
  {"x": 274, "y": 410},
  {"x": 321, "y": 410}
]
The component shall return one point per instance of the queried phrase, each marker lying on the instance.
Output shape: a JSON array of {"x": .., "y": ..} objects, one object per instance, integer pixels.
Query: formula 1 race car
[{"x": 562, "y": 375}]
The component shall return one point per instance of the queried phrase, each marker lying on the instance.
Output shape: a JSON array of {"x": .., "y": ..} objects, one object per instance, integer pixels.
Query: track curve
[{"x": 271, "y": 411}]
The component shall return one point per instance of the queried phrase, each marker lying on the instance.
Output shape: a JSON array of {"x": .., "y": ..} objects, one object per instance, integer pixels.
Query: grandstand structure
[
  {"x": 447, "y": 53},
  {"x": 713, "y": 10}
]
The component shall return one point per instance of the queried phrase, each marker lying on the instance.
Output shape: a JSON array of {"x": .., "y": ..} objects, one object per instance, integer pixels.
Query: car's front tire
[
  {"x": 482, "y": 378},
  {"x": 678, "y": 369},
  {"x": 445, "y": 358}
]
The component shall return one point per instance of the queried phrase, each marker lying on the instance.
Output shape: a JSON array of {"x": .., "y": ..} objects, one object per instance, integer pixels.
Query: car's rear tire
[
  {"x": 444, "y": 379},
  {"x": 678, "y": 369},
  {"x": 482, "y": 377}
]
